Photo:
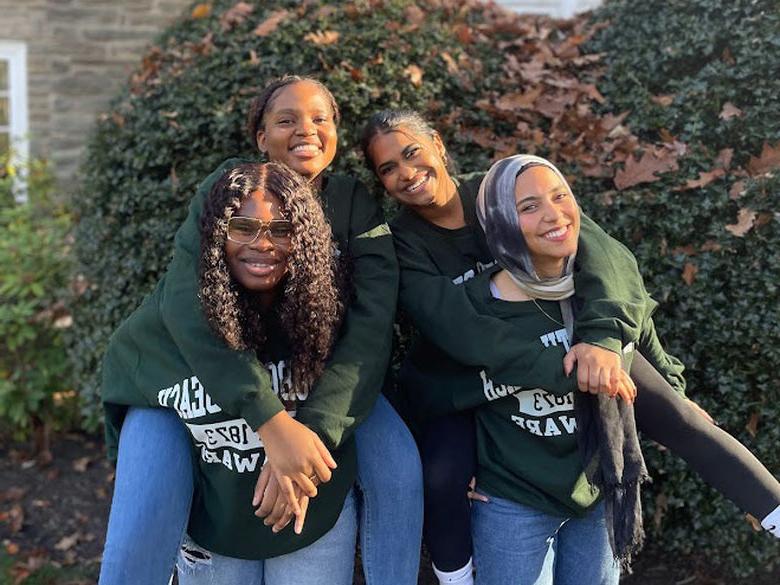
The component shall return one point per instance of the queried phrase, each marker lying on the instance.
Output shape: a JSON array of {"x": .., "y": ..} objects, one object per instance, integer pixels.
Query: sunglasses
[{"x": 245, "y": 230}]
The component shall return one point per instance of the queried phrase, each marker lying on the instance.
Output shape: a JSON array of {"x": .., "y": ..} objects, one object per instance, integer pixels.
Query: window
[{"x": 13, "y": 106}]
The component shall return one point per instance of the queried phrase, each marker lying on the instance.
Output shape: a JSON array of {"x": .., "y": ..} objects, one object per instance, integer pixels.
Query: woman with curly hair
[
  {"x": 267, "y": 265},
  {"x": 292, "y": 120}
]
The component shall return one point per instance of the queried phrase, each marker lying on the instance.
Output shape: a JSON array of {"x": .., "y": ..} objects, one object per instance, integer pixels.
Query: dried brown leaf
[
  {"x": 414, "y": 15},
  {"x": 592, "y": 92},
  {"x": 271, "y": 23},
  {"x": 746, "y": 218},
  {"x": 752, "y": 424},
  {"x": 452, "y": 66},
  {"x": 235, "y": 15},
  {"x": 754, "y": 523},
  {"x": 711, "y": 246},
  {"x": 737, "y": 189},
  {"x": 647, "y": 168},
  {"x": 12, "y": 494},
  {"x": 202, "y": 10},
  {"x": 729, "y": 111},
  {"x": 80, "y": 465},
  {"x": 705, "y": 178},
  {"x": 723, "y": 160},
  {"x": 517, "y": 101},
  {"x": 414, "y": 74},
  {"x": 767, "y": 161},
  {"x": 68, "y": 542},
  {"x": 326, "y": 37},
  {"x": 463, "y": 32},
  {"x": 11, "y": 548},
  {"x": 15, "y": 518},
  {"x": 689, "y": 273}
]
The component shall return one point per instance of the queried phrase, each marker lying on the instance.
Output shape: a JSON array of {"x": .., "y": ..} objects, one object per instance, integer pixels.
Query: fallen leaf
[
  {"x": 689, "y": 273},
  {"x": 729, "y": 111},
  {"x": 767, "y": 161},
  {"x": 705, "y": 178},
  {"x": 414, "y": 74},
  {"x": 752, "y": 424},
  {"x": 12, "y": 494},
  {"x": 689, "y": 250},
  {"x": 15, "y": 518},
  {"x": 662, "y": 100},
  {"x": 592, "y": 92},
  {"x": 711, "y": 246},
  {"x": 68, "y": 542},
  {"x": 666, "y": 136},
  {"x": 452, "y": 66},
  {"x": 327, "y": 37},
  {"x": 728, "y": 57},
  {"x": 414, "y": 15},
  {"x": 765, "y": 217},
  {"x": 517, "y": 100},
  {"x": 754, "y": 523},
  {"x": 723, "y": 160},
  {"x": 745, "y": 220},
  {"x": 202, "y": 10},
  {"x": 235, "y": 15},
  {"x": 81, "y": 464},
  {"x": 253, "y": 58},
  {"x": 463, "y": 32},
  {"x": 11, "y": 547},
  {"x": 271, "y": 23},
  {"x": 737, "y": 189},
  {"x": 646, "y": 169}
]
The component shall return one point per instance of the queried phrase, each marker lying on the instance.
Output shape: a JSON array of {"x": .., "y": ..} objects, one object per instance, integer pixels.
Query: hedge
[{"x": 493, "y": 84}]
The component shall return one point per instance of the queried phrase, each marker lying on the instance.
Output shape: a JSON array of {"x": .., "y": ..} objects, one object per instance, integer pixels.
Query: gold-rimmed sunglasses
[{"x": 246, "y": 230}]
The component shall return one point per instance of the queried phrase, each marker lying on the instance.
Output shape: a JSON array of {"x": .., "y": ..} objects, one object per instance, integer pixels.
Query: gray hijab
[{"x": 497, "y": 213}]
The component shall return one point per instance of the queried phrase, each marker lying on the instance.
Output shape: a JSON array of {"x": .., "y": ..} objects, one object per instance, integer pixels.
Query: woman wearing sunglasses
[{"x": 266, "y": 265}]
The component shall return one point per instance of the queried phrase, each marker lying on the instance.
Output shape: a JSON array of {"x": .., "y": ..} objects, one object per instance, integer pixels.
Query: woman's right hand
[{"x": 296, "y": 455}]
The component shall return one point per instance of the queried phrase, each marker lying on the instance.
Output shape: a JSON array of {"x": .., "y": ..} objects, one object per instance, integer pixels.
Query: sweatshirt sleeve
[
  {"x": 667, "y": 365},
  {"x": 612, "y": 303},
  {"x": 445, "y": 315},
  {"x": 353, "y": 378},
  {"x": 236, "y": 380}
]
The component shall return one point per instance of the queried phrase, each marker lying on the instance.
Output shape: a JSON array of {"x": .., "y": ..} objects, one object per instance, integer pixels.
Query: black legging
[
  {"x": 448, "y": 453},
  {"x": 723, "y": 462}
]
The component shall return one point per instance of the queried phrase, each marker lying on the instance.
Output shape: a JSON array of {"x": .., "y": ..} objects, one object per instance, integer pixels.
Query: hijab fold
[{"x": 606, "y": 427}]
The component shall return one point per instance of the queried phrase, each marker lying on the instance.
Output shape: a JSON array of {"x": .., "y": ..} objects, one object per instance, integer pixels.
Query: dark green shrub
[
  {"x": 724, "y": 324},
  {"x": 182, "y": 113},
  {"x": 35, "y": 264}
]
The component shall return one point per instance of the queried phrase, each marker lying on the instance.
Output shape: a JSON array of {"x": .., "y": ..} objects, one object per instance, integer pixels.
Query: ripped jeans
[{"x": 328, "y": 561}]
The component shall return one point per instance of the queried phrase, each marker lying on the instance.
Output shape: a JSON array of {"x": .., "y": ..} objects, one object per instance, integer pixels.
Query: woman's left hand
[
  {"x": 599, "y": 371},
  {"x": 272, "y": 504}
]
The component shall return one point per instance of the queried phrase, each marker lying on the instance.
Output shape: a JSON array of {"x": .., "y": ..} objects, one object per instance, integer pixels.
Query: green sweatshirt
[
  {"x": 612, "y": 306},
  {"x": 526, "y": 445},
  {"x": 144, "y": 367},
  {"x": 348, "y": 388}
]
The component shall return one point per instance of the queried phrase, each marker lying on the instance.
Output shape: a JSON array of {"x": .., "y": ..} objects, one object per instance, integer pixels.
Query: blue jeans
[
  {"x": 152, "y": 496},
  {"x": 148, "y": 475},
  {"x": 518, "y": 545},
  {"x": 328, "y": 561},
  {"x": 391, "y": 512}
]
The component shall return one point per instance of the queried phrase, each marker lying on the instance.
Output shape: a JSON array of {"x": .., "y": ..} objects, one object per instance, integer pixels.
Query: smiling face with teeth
[
  {"x": 411, "y": 168},
  {"x": 549, "y": 219},
  {"x": 260, "y": 266},
  {"x": 299, "y": 129}
]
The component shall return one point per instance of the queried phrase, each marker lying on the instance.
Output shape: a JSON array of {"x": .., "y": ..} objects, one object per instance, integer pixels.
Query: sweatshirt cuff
[
  {"x": 258, "y": 409},
  {"x": 601, "y": 339}
]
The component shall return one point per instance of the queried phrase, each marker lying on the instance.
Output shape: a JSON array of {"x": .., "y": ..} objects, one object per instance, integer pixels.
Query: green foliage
[
  {"x": 724, "y": 325},
  {"x": 35, "y": 268},
  {"x": 183, "y": 113}
]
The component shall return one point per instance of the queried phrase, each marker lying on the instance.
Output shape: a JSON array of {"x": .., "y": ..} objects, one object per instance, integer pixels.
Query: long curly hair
[{"x": 310, "y": 306}]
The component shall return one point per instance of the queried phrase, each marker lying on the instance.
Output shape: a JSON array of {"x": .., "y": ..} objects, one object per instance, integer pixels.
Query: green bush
[
  {"x": 724, "y": 325},
  {"x": 35, "y": 384},
  {"x": 473, "y": 69}
]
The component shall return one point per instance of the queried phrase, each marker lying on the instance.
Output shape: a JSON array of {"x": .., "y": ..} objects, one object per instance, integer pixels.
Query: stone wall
[{"x": 78, "y": 54}]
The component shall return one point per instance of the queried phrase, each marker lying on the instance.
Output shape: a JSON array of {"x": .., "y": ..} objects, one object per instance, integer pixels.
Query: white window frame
[{"x": 15, "y": 54}]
